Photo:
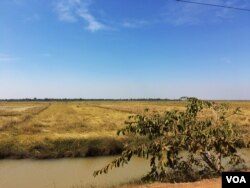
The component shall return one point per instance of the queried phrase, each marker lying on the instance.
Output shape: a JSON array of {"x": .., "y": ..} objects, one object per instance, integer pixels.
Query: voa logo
[{"x": 236, "y": 179}]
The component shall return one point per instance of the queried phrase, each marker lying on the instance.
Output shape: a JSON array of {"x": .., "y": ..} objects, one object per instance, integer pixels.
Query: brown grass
[{"x": 75, "y": 129}]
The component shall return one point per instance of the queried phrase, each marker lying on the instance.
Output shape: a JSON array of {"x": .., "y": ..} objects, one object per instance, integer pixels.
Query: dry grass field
[{"x": 77, "y": 129}]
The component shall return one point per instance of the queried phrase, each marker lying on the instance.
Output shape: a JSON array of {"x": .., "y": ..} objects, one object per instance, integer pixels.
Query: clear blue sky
[{"x": 124, "y": 49}]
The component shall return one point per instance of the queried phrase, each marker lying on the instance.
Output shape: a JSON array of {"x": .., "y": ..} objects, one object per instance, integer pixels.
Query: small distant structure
[{"x": 184, "y": 98}]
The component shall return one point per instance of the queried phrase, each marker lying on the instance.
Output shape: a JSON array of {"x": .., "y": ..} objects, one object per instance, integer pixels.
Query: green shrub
[{"x": 202, "y": 131}]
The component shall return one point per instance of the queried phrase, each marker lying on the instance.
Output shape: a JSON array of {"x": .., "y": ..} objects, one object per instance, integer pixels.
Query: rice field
[{"x": 78, "y": 129}]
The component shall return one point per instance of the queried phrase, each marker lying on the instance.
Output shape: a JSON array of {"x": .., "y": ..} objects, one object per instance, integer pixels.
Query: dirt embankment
[{"x": 207, "y": 183}]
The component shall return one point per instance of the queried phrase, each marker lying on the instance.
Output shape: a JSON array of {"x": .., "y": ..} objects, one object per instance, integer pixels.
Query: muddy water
[
  {"x": 72, "y": 173},
  {"x": 66, "y": 173}
]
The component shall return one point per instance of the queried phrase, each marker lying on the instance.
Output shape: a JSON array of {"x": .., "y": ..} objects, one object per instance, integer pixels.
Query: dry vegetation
[{"x": 76, "y": 129}]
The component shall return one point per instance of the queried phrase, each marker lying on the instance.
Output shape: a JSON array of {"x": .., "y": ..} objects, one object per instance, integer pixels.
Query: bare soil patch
[{"x": 207, "y": 183}]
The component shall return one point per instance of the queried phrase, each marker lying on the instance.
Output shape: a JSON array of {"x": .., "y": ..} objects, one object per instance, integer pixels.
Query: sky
[{"x": 124, "y": 49}]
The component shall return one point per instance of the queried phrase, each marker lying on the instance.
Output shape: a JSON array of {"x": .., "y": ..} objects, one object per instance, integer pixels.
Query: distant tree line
[
  {"x": 84, "y": 99},
  {"x": 102, "y": 99}
]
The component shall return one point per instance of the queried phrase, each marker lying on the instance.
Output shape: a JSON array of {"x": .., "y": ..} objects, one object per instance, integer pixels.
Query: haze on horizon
[{"x": 124, "y": 49}]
